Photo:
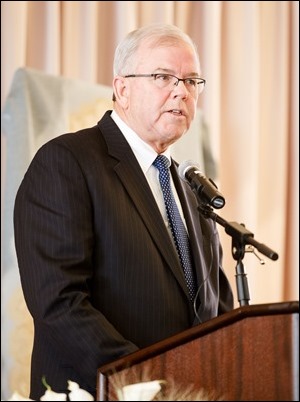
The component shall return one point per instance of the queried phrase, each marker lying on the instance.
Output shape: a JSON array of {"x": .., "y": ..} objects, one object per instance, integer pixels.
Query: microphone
[{"x": 203, "y": 187}]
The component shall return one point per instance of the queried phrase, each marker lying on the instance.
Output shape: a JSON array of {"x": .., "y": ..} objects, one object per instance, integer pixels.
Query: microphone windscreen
[{"x": 185, "y": 166}]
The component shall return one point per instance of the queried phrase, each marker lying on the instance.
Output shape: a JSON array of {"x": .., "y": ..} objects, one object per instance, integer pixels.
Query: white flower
[
  {"x": 77, "y": 393},
  {"x": 50, "y": 395},
  {"x": 142, "y": 391}
]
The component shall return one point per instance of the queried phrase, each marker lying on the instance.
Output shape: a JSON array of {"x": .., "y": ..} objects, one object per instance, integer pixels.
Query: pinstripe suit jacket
[{"x": 98, "y": 270}]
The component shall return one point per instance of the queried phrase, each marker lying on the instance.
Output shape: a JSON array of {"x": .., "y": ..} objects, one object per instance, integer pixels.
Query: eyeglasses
[{"x": 168, "y": 81}]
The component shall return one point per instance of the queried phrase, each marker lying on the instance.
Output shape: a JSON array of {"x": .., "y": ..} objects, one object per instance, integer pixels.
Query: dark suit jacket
[{"x": 100, "y": 275}]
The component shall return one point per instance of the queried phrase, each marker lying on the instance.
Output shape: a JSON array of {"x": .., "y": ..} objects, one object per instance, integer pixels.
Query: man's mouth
[{"x": 176, "y": 112}]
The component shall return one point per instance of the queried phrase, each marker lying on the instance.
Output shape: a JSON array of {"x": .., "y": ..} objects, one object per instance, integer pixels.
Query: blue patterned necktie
[{"x": 178, "y": 230}]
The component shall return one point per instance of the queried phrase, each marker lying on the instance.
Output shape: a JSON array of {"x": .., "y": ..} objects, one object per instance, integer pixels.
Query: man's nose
[{"x": 180, "y": 89}]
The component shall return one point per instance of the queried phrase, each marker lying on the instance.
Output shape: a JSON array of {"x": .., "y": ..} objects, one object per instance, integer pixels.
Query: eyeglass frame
[{"x": 202, "y": 80}]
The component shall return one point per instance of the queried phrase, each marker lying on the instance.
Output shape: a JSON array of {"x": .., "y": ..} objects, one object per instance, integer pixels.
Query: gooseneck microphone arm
[{"x": 240, "y": 238}]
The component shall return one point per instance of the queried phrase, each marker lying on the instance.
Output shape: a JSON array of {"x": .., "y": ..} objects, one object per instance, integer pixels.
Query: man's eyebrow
[{"x": 169, "y": 71}]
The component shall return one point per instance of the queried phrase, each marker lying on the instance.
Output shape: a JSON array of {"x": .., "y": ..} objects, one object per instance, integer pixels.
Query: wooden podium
[{"x": 248, "y": 354}]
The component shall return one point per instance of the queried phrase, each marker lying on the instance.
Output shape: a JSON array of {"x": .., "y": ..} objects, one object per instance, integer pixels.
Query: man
[{"x": 100, "y": 269}]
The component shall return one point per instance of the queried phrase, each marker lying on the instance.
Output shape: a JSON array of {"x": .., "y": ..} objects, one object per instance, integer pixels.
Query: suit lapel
[
  {"x": 201, "y": 240},
  {"x": 133, "y": 179}
]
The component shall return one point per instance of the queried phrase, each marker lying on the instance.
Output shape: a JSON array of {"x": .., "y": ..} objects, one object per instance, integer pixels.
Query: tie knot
[{"x": 161, "y": 163}]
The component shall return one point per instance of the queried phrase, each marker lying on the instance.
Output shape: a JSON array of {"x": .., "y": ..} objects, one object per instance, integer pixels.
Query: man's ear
[{"x": 121, "y": 91}]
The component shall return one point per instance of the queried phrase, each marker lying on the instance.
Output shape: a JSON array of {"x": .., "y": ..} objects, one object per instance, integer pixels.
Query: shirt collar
[{"x": 144, "y": 153}]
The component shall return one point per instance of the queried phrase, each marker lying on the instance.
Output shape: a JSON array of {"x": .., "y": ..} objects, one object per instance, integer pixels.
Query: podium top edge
[{"x": 228, "y": 318}]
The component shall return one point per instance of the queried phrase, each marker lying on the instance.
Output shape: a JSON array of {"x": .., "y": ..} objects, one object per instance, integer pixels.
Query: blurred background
[{"x": 248, "y": 124}]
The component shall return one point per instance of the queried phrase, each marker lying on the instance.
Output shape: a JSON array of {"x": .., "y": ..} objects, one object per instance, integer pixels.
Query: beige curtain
[{"x": 250, "y": 58}]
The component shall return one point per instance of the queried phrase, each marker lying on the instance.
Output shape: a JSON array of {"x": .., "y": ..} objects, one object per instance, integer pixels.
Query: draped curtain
[{"x": 249, "y": 52}]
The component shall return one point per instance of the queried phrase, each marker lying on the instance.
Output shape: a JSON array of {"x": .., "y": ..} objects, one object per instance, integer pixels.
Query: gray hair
[{"x": 159, "y": 34}]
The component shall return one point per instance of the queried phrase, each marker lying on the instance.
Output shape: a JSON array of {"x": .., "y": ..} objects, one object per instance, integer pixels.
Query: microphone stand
[{"x": 240, "y": 238}]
